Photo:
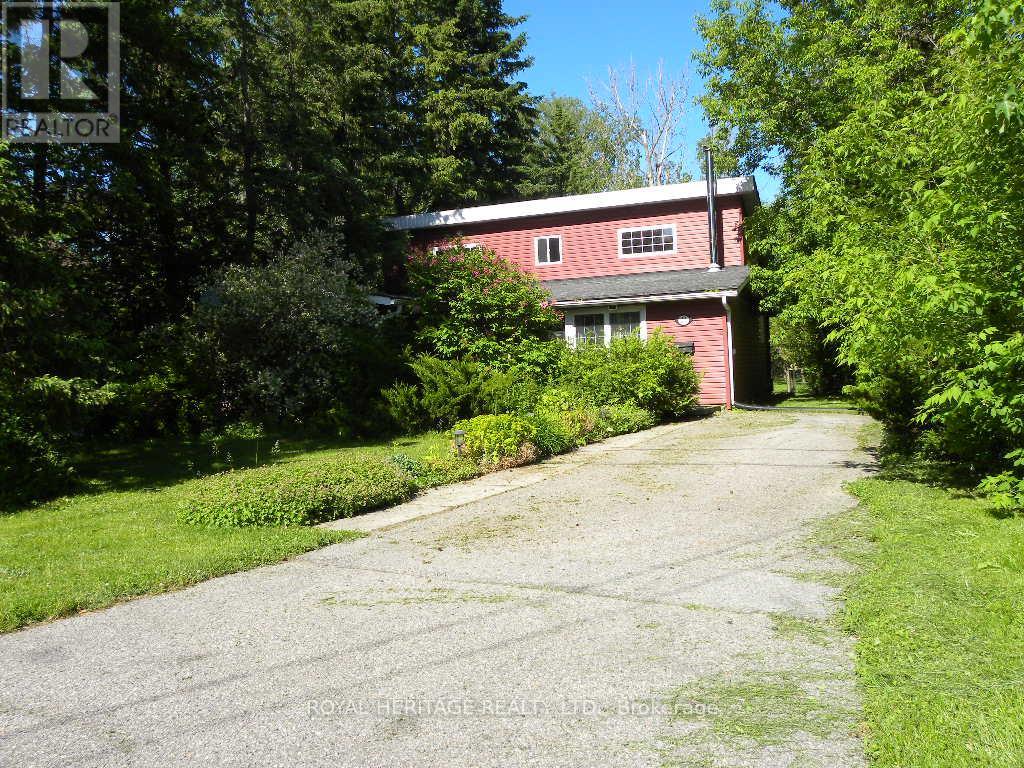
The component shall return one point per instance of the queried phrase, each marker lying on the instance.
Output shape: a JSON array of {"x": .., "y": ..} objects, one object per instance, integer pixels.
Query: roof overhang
[
  {"x": 646, "y": 299},
  {"x": 743, "y": 186},
  {"x": 648, "y": 287}
]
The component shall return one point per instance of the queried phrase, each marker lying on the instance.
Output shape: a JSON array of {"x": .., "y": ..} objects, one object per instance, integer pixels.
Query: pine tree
[
  {"x": 572, "y": 154},
  {"x": 474, "y": 119}
]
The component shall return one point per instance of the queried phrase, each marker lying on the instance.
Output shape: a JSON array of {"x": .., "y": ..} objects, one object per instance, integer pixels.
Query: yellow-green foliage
[
  {"x": 651, "y": 374},
  {"x": 296, "y": 494},
  {"x": 492, "y": 438}
]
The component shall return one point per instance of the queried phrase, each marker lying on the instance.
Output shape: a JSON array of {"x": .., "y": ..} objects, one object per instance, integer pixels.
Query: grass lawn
[
  {"x": 804, "y": 399},
  {"x": 121, "y": 538},
  {"x": 938, "y": 609}
]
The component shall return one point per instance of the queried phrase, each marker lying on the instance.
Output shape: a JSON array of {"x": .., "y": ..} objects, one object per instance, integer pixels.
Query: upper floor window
[
  {"x": 637, "y": 242},
  {"x": 465, "y": 246},
  {"x": 548, "y": 249}
]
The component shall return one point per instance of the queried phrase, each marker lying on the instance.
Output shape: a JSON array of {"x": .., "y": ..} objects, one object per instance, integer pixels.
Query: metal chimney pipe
[{"x": 709, "y": 163}]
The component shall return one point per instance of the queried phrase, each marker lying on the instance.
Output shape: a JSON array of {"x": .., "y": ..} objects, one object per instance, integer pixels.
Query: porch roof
[{"x": 646, "y": 287}]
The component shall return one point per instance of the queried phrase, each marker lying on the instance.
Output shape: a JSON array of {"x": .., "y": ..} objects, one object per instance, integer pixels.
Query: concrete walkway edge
[{"x": 445, "y": 498}]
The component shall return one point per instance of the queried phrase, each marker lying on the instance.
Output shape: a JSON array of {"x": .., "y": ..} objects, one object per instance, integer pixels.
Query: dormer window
[
  {"x": 645, "y": 240},
  {"x": 548, "y": 249}
]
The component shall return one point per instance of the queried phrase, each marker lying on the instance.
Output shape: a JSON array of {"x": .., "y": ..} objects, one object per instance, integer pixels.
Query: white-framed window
[
  {"x": 624, "y": 323},
  {"x": 643, "y": 241},
  {"x": 599, "y": 325},
  {"x": 467, "y": 246},
  {"x": 547, "y": 249},
  {"x": 588, "y": 328}
]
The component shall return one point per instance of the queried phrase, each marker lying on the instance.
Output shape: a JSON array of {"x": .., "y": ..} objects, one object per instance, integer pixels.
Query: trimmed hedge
[{"x": 301, "y": 493}]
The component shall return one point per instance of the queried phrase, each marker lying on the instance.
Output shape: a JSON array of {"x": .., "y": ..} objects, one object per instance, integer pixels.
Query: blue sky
[{"x": 573, "y": 40}]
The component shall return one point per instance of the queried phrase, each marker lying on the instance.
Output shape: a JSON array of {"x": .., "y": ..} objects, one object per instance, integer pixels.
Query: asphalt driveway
[{"x": 650, "y": 601}]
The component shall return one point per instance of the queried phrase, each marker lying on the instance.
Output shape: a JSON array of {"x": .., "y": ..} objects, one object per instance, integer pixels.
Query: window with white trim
[
  {"x": 589, "y": 328},
  {"x": 644, "y": 240},
  {"x": 601, "y": 325},
  {"x": 452, "y": 246},
  {"x": 624, "y": 323},
  {"x": 548, "y": 249}
]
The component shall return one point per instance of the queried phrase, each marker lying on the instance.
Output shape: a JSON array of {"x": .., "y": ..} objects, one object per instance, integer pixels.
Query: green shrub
[
  {"x": 651, "y": 374},
  {"x": 446, "y": 468},
  {"x": 31, "y": 466},
  {"x": 564, "y": 397},
  {"x": 553, "y": 435},
  {"x": 580, "y": 424},
  {"x": 450, "y": 390},
  {"x": 473, "y": 303},
  {"x": 564, "y": 419},
  {"x": 405, "y": 408},
  {"x": 516, "y": 390},
  {"x": 625, "y": 418},
  {"x": 286, "y": 339},
  {"x": 412, "y": 467},
  {"x": 567, "y": 416},
  {"x": 301, "y": 493},
  {"x": 499, "y": 439},
  {"x": 446, "y": 391}
]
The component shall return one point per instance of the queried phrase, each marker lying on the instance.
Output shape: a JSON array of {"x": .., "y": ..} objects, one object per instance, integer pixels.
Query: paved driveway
[{"x": 645, "y": 603}]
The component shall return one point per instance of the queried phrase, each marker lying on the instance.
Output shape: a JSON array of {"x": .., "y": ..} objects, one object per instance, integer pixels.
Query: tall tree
[
  {"x": 244, "y": 127},
  {"x": 574, "y": 152},
  {"x": 473, "y": 117},
  {"x": 897, "y": 129}
]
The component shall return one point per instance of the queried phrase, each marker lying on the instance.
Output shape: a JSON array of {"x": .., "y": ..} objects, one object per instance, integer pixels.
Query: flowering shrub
[{"x": 474, "y": 305}]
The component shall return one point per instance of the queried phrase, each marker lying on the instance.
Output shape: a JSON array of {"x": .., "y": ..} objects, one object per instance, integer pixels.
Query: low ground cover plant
[{"x": 301, "y": 493}]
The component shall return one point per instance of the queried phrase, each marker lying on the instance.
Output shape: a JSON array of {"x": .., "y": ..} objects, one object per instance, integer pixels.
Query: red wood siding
[
  {"x": 590, "y": 245},
  {"x": 707, "y": 332}
]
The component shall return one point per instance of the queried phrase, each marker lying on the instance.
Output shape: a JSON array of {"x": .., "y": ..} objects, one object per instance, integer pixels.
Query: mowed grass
[
  {"x": 938, "y": 609},
  {"x": 804, "y": 399},
  {"x": 98, "y": 548}
]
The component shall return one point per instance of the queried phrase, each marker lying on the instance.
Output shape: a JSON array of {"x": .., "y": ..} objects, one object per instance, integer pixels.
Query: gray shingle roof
[{"x": 673, "y": 283}]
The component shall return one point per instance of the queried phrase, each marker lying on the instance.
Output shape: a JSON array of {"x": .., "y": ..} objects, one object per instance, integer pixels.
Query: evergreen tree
[
  {"x": 473, "y": 119},
  {"x": 245, "y": 126},
  {"x": 572, "y": 154}
]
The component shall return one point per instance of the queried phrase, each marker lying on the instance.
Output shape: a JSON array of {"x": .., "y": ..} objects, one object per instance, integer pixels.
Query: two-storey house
[{"x": 634, "y": 261}]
